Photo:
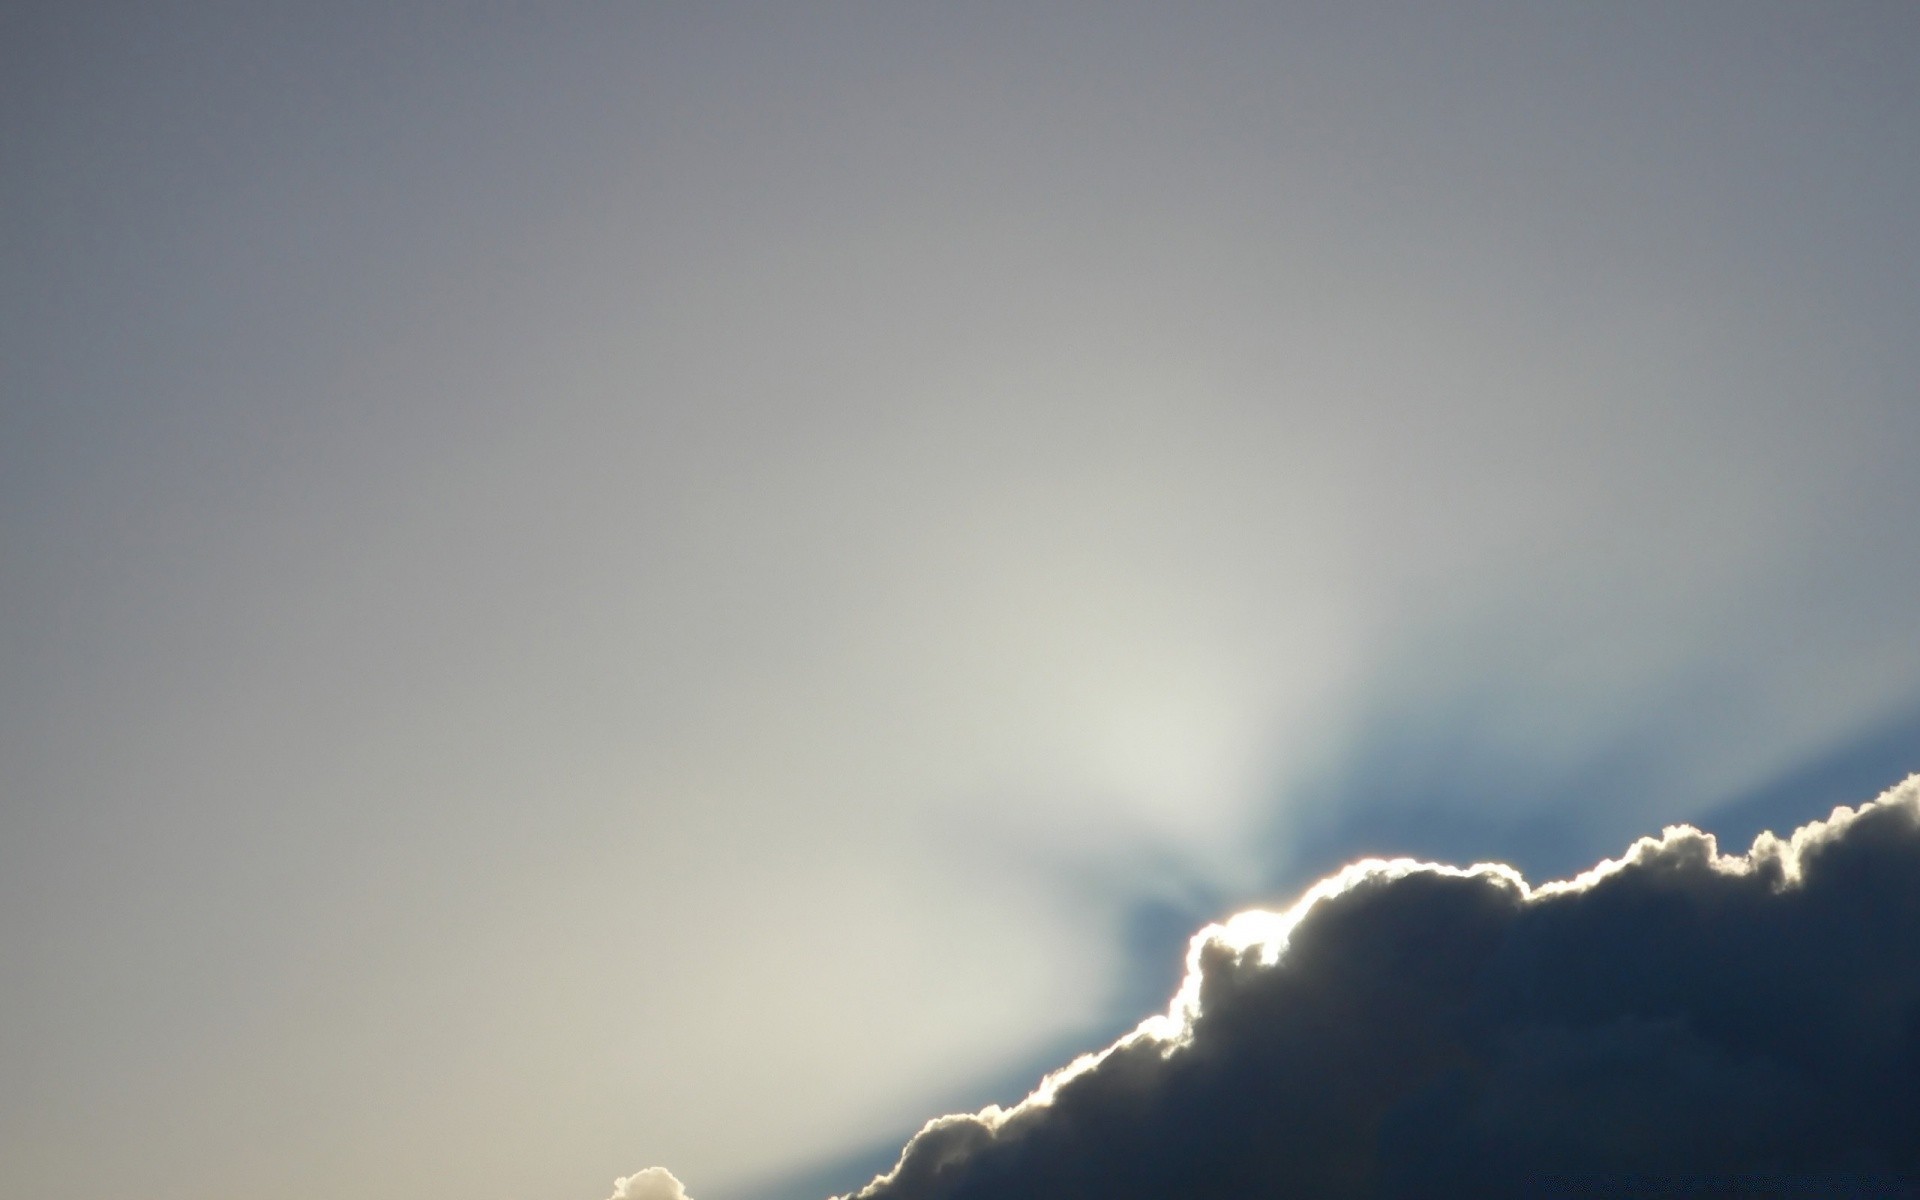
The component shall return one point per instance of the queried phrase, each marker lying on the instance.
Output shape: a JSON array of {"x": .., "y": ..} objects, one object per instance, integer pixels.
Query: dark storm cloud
[{"x": 1672, "y": 1018}]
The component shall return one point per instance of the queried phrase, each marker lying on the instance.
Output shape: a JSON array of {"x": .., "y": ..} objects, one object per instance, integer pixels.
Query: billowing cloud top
[
  {"x": 1411, "y": 1029},
  {"x": 654, "y": 1183}
]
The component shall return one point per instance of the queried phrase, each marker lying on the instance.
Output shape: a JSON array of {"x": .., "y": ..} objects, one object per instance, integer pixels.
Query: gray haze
[{"x": 589, "y": 586}]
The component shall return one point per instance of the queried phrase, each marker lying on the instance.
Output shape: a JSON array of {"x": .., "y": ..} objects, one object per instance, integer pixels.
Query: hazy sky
[{"x": 588, "y": 586}]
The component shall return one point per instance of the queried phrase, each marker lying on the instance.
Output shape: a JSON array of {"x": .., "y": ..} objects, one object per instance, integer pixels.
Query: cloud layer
[{"x": 1411, "y": 1029}]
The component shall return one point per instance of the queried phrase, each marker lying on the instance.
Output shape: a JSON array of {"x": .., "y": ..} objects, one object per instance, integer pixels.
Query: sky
[{"x": 586, "y": 587}]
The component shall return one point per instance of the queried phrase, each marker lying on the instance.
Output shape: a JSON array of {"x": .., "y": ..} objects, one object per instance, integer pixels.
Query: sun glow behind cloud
[{"x": 570, "y": 571}]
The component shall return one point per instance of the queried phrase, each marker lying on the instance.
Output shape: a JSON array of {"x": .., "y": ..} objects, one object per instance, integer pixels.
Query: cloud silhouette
[
  {"x": 654, "y": 1183},
  {"x": 1672, "y": 1019}
]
